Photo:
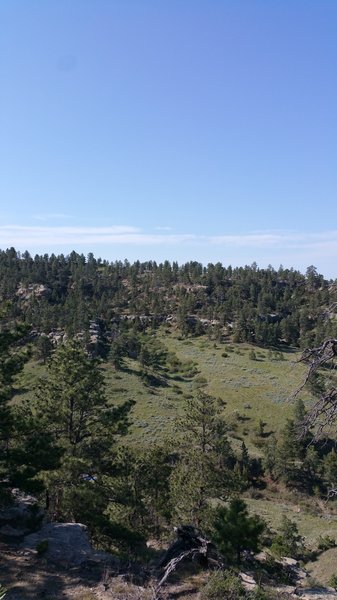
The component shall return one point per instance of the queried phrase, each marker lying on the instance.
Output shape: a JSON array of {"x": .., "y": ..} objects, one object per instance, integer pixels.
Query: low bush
[
  {"x": 288, "y": 542},
  {"x": 42, "y": 547},
  {"x": 226, "y": 585},
  {"x": 325, "y": 542},
  {"x": 222, "y": 585}
]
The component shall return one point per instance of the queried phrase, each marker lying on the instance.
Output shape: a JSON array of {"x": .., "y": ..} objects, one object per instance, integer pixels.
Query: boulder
[
  {"x": 289, "y": 562},
  {"x": 11, "y": 534},
  {"x": 248, "y": 581},
  {"x": 24, "y": 513},
  {"x": 65, "y": 544}
]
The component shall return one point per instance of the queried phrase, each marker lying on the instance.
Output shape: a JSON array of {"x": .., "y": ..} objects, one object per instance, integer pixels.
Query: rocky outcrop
[
  {"x": 23, "y": 516},
  {"x": 33, "y": 290},
  {"x": 66, "y": 545}
]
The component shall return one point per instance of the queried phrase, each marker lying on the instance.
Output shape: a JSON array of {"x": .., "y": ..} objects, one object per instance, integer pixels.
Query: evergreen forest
[{"x": 139, "y": 398}]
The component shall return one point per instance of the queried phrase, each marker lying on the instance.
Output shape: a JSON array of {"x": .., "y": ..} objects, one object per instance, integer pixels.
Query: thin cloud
[
  {"x": 46, "y": 236},
  {"x": 164, "y": 228}
]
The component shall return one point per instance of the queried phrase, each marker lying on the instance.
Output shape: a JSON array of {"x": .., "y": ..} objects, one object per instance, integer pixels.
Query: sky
[{"x": 171, "y": 129}]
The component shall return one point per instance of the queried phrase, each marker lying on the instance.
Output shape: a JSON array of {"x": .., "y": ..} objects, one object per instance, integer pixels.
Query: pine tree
[
  {"x": 288, "y": 453},
  {"x": 330, "y": 470},
  {"x": 71, "y": 412},
  {"x": 115, "y": 355},
  {"x": 11, "y": 363},
  {"x": 235, "y": 531},
  {"x": 244, "y": 463},
  {"x": 288, "y": 542},
  {"x": 44, "y": 348},
  {"x": 204, "y": 469},
  {"x": 140, "y": 491}
]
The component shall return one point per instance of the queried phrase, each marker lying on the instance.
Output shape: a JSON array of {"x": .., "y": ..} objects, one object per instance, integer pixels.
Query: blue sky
[{"x": 181, "y": 130}]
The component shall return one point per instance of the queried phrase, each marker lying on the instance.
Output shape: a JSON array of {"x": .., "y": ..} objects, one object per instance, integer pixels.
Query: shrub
[
  {"x": 200, "y": 381},
  {"x": 333, "y": 581},
  {"x": 288, "y": 542},
  {"x": 226, "y": 585},
  {"x": 325, "y": 542},
  {"x": 222, "y": 585},
  {"x": 260, "y": 594},
  {"x": 42, "y": 547}
]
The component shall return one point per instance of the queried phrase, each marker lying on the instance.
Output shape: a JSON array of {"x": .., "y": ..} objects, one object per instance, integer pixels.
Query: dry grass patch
[{"x": 324, "y": 567}]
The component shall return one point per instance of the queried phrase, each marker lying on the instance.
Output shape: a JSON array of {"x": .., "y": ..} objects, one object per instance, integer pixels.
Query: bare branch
[
  {"x": 323, "y": 414},
  {"x": 192, "y": 545},
  {"x": 317, "y": 357}
]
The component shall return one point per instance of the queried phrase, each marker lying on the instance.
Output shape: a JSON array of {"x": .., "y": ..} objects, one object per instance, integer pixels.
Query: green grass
[
  {"x": 324, "y": 567},
  {"x": 260, "y": 389},
  {"x": 250, "y": 390},
  {"x": 27, "y": 380},
  {"x": 311, "y": 523}
]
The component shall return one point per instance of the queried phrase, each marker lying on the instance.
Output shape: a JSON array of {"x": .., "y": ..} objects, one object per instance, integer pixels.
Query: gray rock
[
  {"x": 248, "y": 581},
  {"x": 68, "y": 544},
  {"x": 317, "y": 593},
  {"x": 24, "y": 513},
  {"x": 286, "y": 589},
  {"x": 11, "y": 534},
  {"x": 290, "y": 562}
]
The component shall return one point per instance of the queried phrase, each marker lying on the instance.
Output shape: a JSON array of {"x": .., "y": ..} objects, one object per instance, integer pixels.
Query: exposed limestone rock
[
  {"x": 248, "y": 581},
  {"x": 290, "y": 562},
  {"x": 67, "y": 545},
  {"x": 33, "y": 290}
]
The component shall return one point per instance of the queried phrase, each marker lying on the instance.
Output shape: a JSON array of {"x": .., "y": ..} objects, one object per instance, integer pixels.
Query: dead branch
[
  {"x": 316, "y": 358},
  {"x": 174, "y": 562},
  {"x": 191, "y": 544},
  {"x": 331, "y": 494},
  {"x": 324, "y": 412}
]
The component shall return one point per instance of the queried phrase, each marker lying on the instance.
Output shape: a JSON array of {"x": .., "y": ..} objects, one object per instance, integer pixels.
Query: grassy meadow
[
  {"x": 249, "y": 389},
  {"x": 252, "y": 385}
]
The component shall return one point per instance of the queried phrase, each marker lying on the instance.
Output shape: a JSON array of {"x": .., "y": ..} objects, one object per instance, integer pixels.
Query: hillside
[
  {"x": 251, "y": 389},
  {"x": 70, "y": 294},
  {"x": 138, "y": 397}
]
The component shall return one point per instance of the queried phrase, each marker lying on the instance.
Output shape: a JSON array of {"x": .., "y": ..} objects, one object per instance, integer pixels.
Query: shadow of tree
[{"x": 27, "y": 577}]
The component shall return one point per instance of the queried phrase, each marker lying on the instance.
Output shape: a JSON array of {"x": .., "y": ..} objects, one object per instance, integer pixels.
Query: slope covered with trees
[
  {"x": 262, "y": 306},
  {"x": 87, "y": 328}
]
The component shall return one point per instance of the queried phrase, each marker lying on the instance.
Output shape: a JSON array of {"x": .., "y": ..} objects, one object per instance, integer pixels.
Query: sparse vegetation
[{"x": 221, "y": 585}]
